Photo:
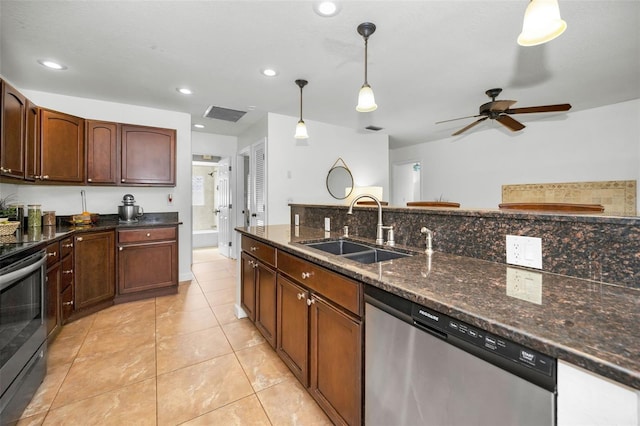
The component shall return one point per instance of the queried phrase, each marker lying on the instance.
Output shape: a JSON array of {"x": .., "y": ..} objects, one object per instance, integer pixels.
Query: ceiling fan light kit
[
  {"x": 301, "y": 127},
  {"x": 542, "y": 23},
  {"x": 366, "y": 100}
]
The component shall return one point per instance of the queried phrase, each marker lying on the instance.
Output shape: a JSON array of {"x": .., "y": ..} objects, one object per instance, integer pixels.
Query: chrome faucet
[{"x": 380, "y": 227}]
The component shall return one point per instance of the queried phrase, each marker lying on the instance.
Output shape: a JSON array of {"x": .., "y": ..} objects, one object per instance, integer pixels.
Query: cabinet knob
[
  {"x": 120, "y": 248},
  {"x": 67, "y": 245},
  {"x": 68, "y": 271},
  {"x": 79, "y": 239},
  {"x": 300, "y": 296},
  {"x": 148, "y": 234},
  {"x": 53, "y": 254},
  {"x": 89, "y": 180},
  {"x": 123, "y": 180},
  {"x": 311, "y": 301},
  {"x": 253, "y": 248},
  {"x": 2, "y": 169},
  {"x": 306, "y": 275},
  {"x": 68, "y": 303},
  {"x": 43, "y": 177}
]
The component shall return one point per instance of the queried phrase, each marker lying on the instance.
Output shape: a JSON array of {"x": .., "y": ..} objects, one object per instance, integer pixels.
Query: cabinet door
[
  {"x": 52, "y": 310},
  {"x": 66, "y": 304},
  {"x": 147, "y": 266},
  {"x": 335, "y": 364},
  {"x": 32, "y": 143},
  {"x": 248, "y": 283},
  {"x": 293, "y": 328},
  {"x": 12, "y": 127},
  {"x": 148, "y": 156},
  {"x": 62, "y": 147},
  {"x": 94, "y": 268},
  {"x": 102, "y": 152},
  {"x": 266, "y": 302}
]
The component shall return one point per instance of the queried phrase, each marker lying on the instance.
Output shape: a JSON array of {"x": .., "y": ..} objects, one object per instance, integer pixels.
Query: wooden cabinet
[
  {"x": 66, "y": 280},
  {"x": 32, "y": 170},
  {"x": 62, "y": 147},
  {"x": 148, "y": 156},
  {"x": 94, "y": 269},
  {"x": 259, "y": 276},
  {"x": 52, "y": 290},
  {"x": 321, "y": 310},
  {"x": 102, "y": 152},
  {"x": 12, "y": 127},
  {"x": 147, "y": 262}
]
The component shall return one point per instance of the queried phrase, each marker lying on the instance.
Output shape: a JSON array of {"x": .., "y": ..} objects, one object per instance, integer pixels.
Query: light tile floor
[{"x": 179, "y": 359}]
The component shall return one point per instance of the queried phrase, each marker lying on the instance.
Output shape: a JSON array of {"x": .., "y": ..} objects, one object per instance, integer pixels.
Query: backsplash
[{"x": 600, "y": 248}]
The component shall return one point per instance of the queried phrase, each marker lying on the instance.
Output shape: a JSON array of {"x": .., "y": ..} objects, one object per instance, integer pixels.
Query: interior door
[
  {"x": 223, "y": 207},
  {"x": 258, "y": 191},
  {"x": 406, "y": 183}
]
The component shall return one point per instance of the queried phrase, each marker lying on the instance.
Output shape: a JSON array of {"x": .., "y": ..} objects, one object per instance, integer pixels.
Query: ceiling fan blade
[
  {"x": 461, "y": 118},
  {"x": 510, "y": 123},
  {"x": 501, "y": 105},
  {"x": 541, "y": 108},
  {"x": 464, "y": 129}
]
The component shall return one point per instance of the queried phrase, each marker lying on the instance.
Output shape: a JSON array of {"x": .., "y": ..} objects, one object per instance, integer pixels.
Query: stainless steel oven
[{"x": 22, "y": 330}]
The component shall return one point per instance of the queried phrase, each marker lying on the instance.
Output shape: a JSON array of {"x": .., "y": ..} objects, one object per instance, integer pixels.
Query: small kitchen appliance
[{"x": 128, "y": 211}]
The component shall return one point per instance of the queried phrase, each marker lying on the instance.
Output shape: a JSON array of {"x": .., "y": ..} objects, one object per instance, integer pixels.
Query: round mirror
[{"x": 339, "y": 182}]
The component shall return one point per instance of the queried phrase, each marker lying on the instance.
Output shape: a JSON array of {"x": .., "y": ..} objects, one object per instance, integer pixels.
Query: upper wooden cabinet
[
  {"x": 62, "y": 144},
  {"x": 148, "y": 156},
  {"x": 12, "y": 128},
  {"x": 102, "y": 152},
  {"x": 32, "y": 143}
]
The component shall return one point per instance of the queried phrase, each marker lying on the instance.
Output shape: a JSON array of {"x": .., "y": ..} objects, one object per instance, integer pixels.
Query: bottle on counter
[
  {"x": 49, "y": 218},
  {"x": 34, "y": 214}
]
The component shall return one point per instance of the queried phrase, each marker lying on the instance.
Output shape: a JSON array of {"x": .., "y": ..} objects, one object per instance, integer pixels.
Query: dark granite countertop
[
  {"x": 14, "y": 244},
  {"x": 589, "y": 324}
]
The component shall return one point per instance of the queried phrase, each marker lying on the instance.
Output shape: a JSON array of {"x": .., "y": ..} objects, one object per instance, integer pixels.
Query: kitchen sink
[{"x": 355, "y": 251}]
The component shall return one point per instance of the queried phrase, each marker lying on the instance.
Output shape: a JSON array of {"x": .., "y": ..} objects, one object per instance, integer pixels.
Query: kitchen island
[{"x": 584, "y": 323}]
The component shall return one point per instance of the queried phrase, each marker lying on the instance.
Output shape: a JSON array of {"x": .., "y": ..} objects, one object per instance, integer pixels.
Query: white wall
[
  {"x": 592, "y": 145},
  {"x": 209, "y": 143},
  {"x": 66, "y": 200},
  {"x": 297, "y": 171}
]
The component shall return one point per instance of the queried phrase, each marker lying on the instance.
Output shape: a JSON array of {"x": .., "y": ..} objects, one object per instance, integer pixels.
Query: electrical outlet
[
  {"x": 327, "y": 224},
  {"x": 524, "y": 251},
  {"x": 524, "y": 285}
]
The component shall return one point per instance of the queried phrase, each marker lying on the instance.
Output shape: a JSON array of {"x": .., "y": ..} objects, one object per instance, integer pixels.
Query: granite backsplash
[{"x": 600, "y": 248}]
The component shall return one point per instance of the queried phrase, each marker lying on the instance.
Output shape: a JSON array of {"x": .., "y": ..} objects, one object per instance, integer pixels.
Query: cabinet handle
[
  {"x": 311, "y": 301},
  {"x": 306, "y": 275},
  {"x": 300, "y": 296},
  {"x": 253, "y": 248},
  {"x": 2, "y": 169},
  {"x": 123, "y": 180},
  {"x": 89, "y": 180},
  {"x": 68, "y": 303},
  {"x": 43, "y": 177},
  {"x": 120, "y": 248},
  {"x": 79, "y": 239},
  {"x": 53, "y": 254},
  {"x": 251, "y": 262},
  {"x": 148, "y": 234},
  {"x": 255, "y": 264},
  {"x": 67, "y": 245},
  {"x": 68, "y": 271}
]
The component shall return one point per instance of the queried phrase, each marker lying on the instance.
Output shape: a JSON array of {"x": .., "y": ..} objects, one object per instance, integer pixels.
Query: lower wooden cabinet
[
  {"x": 52, "y": 289},
  {"x": 94, "y": 269},
  {"x": 147, "y": 262},
  {"x": 248, "y": 285},
  {"x": 293, "y": 328}
]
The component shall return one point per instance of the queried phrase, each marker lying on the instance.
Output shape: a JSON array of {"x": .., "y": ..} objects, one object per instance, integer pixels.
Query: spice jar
[
  {"x": 49, "y": 218},
  {"x": 34, "y": 216}
]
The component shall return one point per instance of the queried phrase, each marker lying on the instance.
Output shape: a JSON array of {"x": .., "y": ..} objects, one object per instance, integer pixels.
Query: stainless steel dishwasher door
[{"x": 414, "y": 378}]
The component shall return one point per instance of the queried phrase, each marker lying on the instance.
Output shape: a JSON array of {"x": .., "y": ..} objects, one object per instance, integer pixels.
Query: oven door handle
[{"x": 7, "y": 279}]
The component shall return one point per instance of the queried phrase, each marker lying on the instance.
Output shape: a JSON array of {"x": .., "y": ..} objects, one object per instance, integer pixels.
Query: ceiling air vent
[
  {"x": 373, "y": 128},
  {"x": 225, "y": 114}
]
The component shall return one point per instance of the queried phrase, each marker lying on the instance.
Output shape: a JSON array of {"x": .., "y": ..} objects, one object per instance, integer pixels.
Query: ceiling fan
[{"x": 501, "y": 110}]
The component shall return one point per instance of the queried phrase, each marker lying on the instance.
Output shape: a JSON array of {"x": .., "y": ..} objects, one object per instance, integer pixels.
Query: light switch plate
[
  {"x": 524, "y": 251},
  {"x": 327, "y": 224}
]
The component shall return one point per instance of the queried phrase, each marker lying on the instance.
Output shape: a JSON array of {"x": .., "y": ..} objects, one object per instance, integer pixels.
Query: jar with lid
[
  {"x": 49, "y": 218},
  {"x": 34, "y": 214}
]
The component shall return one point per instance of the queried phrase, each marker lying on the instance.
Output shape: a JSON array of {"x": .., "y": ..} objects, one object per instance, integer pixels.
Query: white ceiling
[{"x": 428, "y": 60}]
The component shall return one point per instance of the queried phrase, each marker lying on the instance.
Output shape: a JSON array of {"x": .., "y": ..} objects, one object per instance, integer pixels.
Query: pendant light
[
  {"x": 366, "y": 100},
  {"x": 301, "y": 128},
  {"x": 542, "y": 23}
]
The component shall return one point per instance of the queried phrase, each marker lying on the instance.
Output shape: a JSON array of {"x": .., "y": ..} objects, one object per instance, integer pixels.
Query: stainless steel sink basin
[{"x": 355, "y": 251}]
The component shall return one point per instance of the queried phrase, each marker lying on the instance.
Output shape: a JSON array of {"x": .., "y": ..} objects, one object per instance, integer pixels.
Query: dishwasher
[{"x": 426, "y": 368}]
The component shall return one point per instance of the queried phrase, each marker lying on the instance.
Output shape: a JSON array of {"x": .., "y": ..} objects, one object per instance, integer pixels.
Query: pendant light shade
[
  {"x": 301, "y": 128},
  {"x": 366, "y": 100},
  {"x": 542, "y": 23}
]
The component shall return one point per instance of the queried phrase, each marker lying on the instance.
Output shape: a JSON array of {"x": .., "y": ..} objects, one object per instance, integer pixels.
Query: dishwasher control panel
[{"x": 445, "y": 326}]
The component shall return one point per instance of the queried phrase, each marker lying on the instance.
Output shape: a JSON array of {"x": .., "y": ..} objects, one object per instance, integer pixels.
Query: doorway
[
  {"x": 406, "y": 178},
  {"x": 204, "y": 181}
]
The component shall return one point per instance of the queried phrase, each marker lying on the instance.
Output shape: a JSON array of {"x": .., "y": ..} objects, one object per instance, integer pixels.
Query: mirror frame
[{"x": 333, "y": 171}]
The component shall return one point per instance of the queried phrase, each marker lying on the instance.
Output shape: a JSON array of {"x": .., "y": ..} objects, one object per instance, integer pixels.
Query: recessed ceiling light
[
  {"x": 269, "y": 72},
  {"x": 199, "y": 126},
  {"x": 184, "y": 90},
  {"x": 326, "y": 8},
  {"x": 52, "y": 65}
]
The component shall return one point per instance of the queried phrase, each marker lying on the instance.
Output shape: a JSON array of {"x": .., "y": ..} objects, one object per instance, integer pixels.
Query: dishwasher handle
[{"x": 433, "y": 331}]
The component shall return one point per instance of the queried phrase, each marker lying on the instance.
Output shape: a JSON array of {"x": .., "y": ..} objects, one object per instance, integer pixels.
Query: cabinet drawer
[
  {"x": 261, "y": 251},
  {"x": 340, "y": 290},
  {"x": 53, "y": 253},
  {"x": 66, "y": 247},
  {"x": 66, "y": 272},
  {"x": 146, "y": 234}
]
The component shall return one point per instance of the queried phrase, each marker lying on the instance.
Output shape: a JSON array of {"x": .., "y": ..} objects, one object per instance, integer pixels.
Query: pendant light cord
[
  {"x": 366, "y": 43},
  {"x": 300, "y": 103}
]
